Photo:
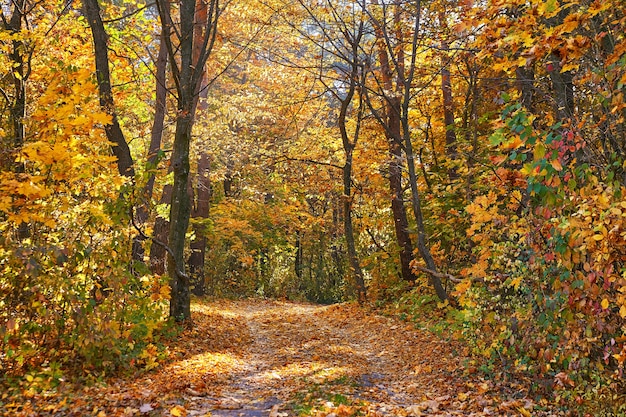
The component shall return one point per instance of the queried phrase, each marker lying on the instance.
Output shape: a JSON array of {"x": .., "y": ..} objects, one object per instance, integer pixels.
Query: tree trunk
[
  {"x": 448, "y": 104},
  {"x": 348, "y": 228},
  {"x": 200, "y": 210},
  {"x": 180, "y": 210},
  {"x": 398, "y": 209},
  {"x": 113, "y": 131},
  {"x": 525, "y": 81},
  {"x": 203, "y": 191},
  {"x": 422, "y": 241},
  {"x": 563, "y": 88},
  {"x": 160, "y": 231},
  {"x": 19, "y": 75},
  {"x": 390, "y": 121},
  {"x": 298, "y": 261},
  {"x": 187, "y": 73},
  {"x": 156, "y": 136}
]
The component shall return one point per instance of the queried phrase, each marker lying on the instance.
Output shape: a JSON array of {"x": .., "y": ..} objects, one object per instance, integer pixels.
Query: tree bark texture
[
  {"x": 396, "y": 123},
  {"x": 17, "y": 107},
  {"x": 113, "y": 131},
  {"x": 416, "y": 202},
  {"x": 200, "y": 210},
  {"x": 160, "y": 232},
  {"x": 187, "y": 66},
  {"x": 390, "y": 120},
  {"x": 160, "y": 108}
]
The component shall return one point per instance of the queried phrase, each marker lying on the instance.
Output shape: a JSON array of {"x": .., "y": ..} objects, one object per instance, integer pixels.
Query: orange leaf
[{"x": 556, "y": 164}]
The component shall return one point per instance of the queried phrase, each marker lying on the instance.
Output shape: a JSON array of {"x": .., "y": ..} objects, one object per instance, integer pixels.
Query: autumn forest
[{"x": 450, "y": 167}]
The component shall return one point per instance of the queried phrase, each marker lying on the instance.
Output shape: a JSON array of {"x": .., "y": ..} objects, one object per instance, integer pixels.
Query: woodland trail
[{"x": 254, "y": 358}]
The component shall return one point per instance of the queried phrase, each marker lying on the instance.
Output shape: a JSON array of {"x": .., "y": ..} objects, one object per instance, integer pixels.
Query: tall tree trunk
[
  {"x": 19, "y": 77},
  {"x": 180, "y": 207},
  {"x": 470, "y": 124},
  {"x": 298, "y": 261},
  {"x": 349, "y": 141},
  {"x": 390, "y": 121},
  {"x": 563, "y": 89},
  {"x": 416, "y": 202},
  {"x": 19, "y": 74},
  {"x": 448, "y": 102},
  {"x": 397, "y": 108},
  {"x": 398, "y": 209},
  {"x": 200, "y": 210},
  {"x": 348, "y": 148},
  {"x": 156, "y": 137},
  {"x": 160, "y": 232},
  {"x": 525, "y": 82},
  {"x": 114, "y": 133},
  {"x": 202, "y": 191},
  {"x": 180, "y": 210},
  {"x": 187, "y": 74},
  {"x": 348, "y": 229}
]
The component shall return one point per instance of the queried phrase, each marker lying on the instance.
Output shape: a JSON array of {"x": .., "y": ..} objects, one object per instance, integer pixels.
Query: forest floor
[{"x": 254, "y": 358}]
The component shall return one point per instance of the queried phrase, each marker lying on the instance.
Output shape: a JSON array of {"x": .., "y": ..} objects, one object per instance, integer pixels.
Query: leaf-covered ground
[{"x": 269, "y": 358}]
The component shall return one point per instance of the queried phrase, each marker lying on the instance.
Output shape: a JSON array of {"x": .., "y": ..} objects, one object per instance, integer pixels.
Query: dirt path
[
  {"x": 268, "y": 358},
  {"x": 339, "y": 360}
]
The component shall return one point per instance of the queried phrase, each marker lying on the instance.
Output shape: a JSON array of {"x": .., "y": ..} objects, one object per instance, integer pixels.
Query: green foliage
[
  {"x": 548, "y": 276},
  {"x": 322, "y": 395}
]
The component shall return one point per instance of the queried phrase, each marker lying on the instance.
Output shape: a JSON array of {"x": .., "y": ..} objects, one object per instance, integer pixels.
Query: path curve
[{"x": 320, "y": 357}]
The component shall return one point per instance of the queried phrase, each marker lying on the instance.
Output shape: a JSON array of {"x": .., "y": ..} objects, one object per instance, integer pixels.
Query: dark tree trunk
[
  {"x": 563, "y": 88},
  {"x": 187, "y": 64},
  {"x": 348, "y": 148},
  {"x": 156, "y": 136},
  {"x": 160, "y": 231},
  {"x": 203, "y": 191},
  {"x": 348, "y": 228},
  {"x": 448, "y": 114},
  {"x": 390, "y": 121},
  {"x": 525, "y": 81},
  {"x": 200, "y": 210},
  {"x": 19, "y": 76},
  {"x": 298, "y": 261},
  {"x": 448, "y": 102},
  {"x": 180, "y": 210},
  {"x": 398, "y": 209},
  {"x": 114, "y": 133},
  {"x": 396, "y": 120},
  {"x": 422, "y": 241}
]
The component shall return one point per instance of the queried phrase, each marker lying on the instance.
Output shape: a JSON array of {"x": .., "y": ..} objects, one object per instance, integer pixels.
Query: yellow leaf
[
  {"x": 539, "y": 151},
  {"x": 569, "y": 67},
  {"x": 178, "y": 411},
  {"x": 622, "y": 312},
  {"x": 556, "y": 164},
  {"x": 605, "y": 304},
  {"x": 598, "y": 237},
  {"x": 102, "y": 118},
  {"x": 463, "y": 286}
]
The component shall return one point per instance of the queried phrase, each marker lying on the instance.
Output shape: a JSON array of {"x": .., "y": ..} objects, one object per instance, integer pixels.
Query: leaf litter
[{"x": 249, "y": 358}]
